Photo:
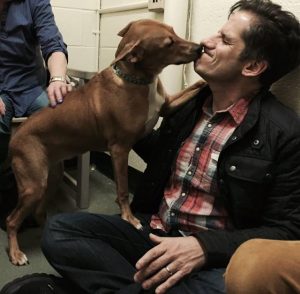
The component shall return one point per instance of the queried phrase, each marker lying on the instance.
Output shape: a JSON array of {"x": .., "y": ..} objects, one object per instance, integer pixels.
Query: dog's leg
[
  {"x": 55, "y": 179},
  {"x": 31, "y": 176},
  {"x": 119, "y": 156}
]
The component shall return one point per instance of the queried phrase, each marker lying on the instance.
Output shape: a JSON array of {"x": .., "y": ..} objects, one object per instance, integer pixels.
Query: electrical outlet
[{"x": 156, "y": 5}]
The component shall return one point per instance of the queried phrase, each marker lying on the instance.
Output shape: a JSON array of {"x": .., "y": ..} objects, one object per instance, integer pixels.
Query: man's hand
[
  {"x": 168, "y": 262},
  {"x": 57, "y": 91},
  {"x": 2, "y": 107}
]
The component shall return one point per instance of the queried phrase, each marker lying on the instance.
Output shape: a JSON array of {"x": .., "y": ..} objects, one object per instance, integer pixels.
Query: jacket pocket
[{"x": 249, "y": 169}]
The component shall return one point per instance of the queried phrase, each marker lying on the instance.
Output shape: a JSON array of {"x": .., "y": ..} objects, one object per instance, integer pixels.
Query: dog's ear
[
  {"x": 131, "y": 52},
  {"x": 125, "y": 30}
]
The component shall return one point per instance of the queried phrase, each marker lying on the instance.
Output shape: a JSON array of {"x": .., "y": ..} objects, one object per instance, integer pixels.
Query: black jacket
[{"x": 262, "y": 192}]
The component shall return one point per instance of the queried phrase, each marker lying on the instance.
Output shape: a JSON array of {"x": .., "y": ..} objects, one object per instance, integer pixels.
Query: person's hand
[
  {"x": 57, "y": 91},
  {"x": 2, "y": 107},
  {"x": 168, "y": 262}
]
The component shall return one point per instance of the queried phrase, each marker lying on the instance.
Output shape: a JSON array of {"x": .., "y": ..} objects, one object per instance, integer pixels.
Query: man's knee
[
  {"x": 50, "y": 242},
  {"x": 4, "y": 139}
]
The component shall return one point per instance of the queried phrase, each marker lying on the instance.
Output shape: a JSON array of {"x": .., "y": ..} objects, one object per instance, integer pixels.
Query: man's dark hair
[{"x": 274, "y": 37}]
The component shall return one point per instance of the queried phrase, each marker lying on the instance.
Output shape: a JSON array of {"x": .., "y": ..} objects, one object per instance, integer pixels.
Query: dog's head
[{"x": 153, "y": 45}]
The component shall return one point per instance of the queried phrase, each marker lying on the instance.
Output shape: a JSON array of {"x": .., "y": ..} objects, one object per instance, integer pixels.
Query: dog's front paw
[
  {"x": 18, "y": 258},
  {"x": 134, "y": 221}
]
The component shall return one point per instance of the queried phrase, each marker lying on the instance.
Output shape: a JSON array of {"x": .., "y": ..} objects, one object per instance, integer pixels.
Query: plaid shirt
[{"x": 191, "y": 201}]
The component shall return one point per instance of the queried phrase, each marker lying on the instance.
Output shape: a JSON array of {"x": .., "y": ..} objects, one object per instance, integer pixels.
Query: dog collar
[{"x": 130, "y": 78}]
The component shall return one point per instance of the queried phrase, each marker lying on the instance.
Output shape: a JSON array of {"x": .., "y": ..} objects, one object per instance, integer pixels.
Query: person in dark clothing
[
  {"x": 29, "y": 39},
  {"x": 221, "y": 170}
]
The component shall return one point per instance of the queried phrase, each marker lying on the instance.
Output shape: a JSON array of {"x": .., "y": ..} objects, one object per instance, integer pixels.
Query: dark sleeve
[
  {"x": 49, "y": 37},
  {"x": 145, "y": 146},
  {"x": 280, "y": 215}
]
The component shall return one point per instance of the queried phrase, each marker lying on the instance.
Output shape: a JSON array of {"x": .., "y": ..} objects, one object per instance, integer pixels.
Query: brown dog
[{"x": 111, "y": 112}]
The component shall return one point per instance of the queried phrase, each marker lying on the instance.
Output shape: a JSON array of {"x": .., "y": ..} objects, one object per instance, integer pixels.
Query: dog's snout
[{"x": 199, "y": 49}]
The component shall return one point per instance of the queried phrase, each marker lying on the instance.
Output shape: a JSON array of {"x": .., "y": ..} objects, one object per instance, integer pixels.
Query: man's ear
[{"x": 254, "y": 68}]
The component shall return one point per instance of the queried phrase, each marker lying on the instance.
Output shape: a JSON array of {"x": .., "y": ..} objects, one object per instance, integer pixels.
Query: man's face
[{"x": 220, "y": 59}]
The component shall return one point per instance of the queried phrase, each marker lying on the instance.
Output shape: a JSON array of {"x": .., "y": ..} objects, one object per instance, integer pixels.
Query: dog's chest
[{"x": 155, "y": 103}]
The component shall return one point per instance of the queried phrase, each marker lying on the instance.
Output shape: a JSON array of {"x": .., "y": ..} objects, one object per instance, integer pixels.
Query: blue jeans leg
[
  {"x": 5, "y": 132},
  {"x": 5, "y": 128},
  {"x": 39, "y": 103},
  {"x": 98, "y": 254}
]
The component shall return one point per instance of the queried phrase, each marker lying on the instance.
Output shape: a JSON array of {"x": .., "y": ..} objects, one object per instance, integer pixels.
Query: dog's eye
[{"x": 168, "y": 42}]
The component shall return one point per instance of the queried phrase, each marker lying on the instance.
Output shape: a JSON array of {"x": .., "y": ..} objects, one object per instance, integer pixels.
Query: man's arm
[
  {"x": 58, "y": 87},
  {"x": 53, "y": 48},
  {"x": 2, "y": 107},
  {"x": 280, "y": 217}
]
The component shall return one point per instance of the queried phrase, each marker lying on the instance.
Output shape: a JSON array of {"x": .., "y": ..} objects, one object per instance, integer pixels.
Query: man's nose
[{"x": 209, "y": 42}]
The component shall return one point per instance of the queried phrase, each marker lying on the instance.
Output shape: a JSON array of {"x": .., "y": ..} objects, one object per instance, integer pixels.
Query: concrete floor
[{"x": 102, "y": 200}]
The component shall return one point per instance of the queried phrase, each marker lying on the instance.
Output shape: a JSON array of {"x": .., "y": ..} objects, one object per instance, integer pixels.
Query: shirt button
[
  {"x": 256, "y": 142},
  {"x": 209, "y": 125},
  {"x": 189, "y": 173},
  {"x": 232, "y": 168},
  {"x": 268, "y": 176},
  {"x": 197, "y": 148},
  {"x": 233, "y": 138},
  {"x": 183, "y": 194},
  {"x": 172, "y": 214}
]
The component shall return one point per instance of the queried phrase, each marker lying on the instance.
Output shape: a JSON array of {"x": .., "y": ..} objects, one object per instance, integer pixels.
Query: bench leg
[{"x": 83, "y": 174}]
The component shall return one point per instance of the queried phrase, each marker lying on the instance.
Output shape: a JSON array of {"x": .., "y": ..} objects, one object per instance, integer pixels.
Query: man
[
  {"x": 29, "y": 38},
  {"x": 220, "y": 171}
]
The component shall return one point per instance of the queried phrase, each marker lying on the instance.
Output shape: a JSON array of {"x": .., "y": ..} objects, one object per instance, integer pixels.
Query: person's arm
[
  {"x": 145, "y": 146},
  {"x": 2, "y": 107},
  {"x": 58, "y": 87},
  {"x": 280, "y": 218},
  {"x": 53, "y": 49}
]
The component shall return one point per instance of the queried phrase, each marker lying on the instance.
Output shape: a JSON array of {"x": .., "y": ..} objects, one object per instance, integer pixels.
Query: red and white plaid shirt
[{"x": 191, "y": 201}]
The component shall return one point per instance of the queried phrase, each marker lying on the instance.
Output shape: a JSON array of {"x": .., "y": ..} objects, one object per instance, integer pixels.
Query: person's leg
[
  {"x": 5, "y": 132},
  {"x": 39, "y": 103},
  {"x": 98, "y": 253},
  {"x": 8, "y": 190},
  {"x": 6, "y": 175},
  {"x": 264, "y": 266},
  {"x": 210, "y": 281}
]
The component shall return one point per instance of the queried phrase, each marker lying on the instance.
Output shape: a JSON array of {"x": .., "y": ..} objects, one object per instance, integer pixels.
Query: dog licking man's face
[{"x": 152, "y": 44}]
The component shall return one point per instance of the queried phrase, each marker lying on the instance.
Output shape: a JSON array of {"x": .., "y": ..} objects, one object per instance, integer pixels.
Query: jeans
[
  {"x": 5, "y": 132},
  {"x": 98, "y": 253}
]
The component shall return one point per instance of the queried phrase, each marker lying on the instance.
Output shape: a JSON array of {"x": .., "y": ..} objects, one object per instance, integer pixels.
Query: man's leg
[
  {"x": 39, "y": 103},
  {"x": 5, "y": 132},
  {"x": 264, "y": 266},
  {"x": 98, "y": 253},
  {"x": 8, "y": 191}
]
